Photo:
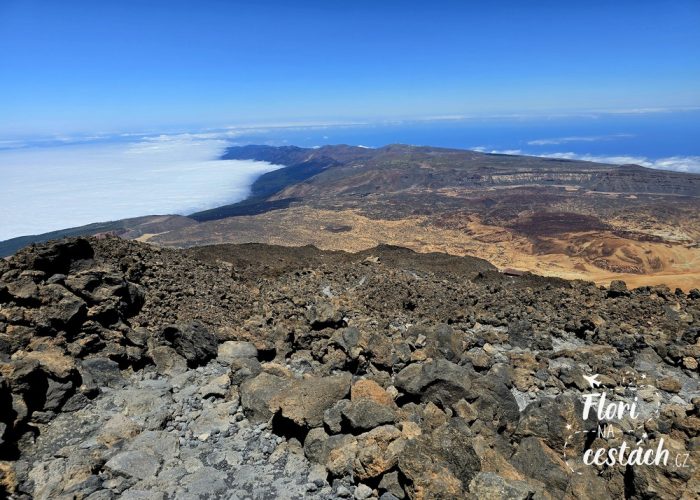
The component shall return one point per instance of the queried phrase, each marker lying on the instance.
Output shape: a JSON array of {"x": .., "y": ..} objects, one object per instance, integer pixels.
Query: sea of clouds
[
  {"x": 690, "y": 164},
  {"x": 48, "y": 188}
]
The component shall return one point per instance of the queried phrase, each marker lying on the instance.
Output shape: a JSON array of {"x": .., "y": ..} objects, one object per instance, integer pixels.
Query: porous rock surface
[{"x": 128, "y": 371}]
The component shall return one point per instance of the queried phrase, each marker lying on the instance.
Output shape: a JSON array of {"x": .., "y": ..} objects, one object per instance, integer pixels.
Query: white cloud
[
  {"x": 582, "y": 138},
  {"x": 645, "y": 111},
  {"x": 689, "y": 164},
  {"x": 511, "y": 152},
  {"x": 49, "y": 188},
  {"x": 679, "y": 163},
  {"x": 483, "y": 149},
  {"x": 11, "y": 144},
  {"x": 676, "y": 163}
]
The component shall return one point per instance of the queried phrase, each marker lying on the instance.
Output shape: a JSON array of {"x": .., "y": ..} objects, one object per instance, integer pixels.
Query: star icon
[
  {"x": 645, "y": 435},
  {"x": 568, "y": 427},
  {"x": 644, "y": 375}
]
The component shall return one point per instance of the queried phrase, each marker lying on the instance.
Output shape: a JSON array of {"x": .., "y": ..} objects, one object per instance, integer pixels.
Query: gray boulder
[
  {"x": 365, "y": 414},
  {"x": 232, "y": 349},
  {"x": 134, "y": 464}
]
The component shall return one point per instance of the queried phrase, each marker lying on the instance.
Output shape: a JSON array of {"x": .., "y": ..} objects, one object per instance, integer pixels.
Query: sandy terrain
[{"x": 589, "y": 256}]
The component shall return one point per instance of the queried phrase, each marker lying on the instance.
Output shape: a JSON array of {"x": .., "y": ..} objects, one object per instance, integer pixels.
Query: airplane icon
[{"x": 592, "y": 380}]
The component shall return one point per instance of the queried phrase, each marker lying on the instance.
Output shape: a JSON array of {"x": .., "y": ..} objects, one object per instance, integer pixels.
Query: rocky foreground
[{"x": 259, "y": 372}]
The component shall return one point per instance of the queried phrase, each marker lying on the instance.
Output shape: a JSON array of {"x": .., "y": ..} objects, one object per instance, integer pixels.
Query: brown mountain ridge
[{"x": 554, "y": 217}]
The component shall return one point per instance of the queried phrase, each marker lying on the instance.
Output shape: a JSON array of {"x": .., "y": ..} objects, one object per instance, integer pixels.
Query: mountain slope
[
  {"x": 130, "y": 371},
  {"x": 555, "y": 217}
]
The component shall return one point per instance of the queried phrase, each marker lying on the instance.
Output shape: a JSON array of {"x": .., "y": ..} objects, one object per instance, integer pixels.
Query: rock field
[{"x": 252, "y": 371}]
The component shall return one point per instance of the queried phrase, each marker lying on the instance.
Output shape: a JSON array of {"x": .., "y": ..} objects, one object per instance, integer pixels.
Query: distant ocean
[
  {"x": 54, "y": 183},
  {"x": 659, "y": 139}
]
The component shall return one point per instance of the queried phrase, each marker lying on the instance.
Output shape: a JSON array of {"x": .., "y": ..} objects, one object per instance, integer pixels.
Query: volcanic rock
[
  {"x": 132, "y": 371},
  {"x": 193, "y": 341},
  {"x": 304, "y": 401}
]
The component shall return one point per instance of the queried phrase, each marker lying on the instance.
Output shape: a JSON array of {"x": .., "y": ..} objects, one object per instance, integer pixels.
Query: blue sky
[{"x": 104, "y": 66}]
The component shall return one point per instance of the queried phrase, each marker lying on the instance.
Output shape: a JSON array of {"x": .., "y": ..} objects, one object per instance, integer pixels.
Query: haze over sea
[{"x": 53, "y": 183}]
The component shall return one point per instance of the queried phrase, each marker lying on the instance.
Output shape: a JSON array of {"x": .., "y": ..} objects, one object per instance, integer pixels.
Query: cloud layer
[
  {"x": 584, "y": 138},
  {"x": 676, "y": 163},
  {"x": 45, "y": 189}
]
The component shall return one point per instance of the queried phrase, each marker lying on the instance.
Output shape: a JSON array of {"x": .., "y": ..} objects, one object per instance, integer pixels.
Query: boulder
[
  {"x": 494, "y": 401},
  {"x": 618, "y": 288},
  {"x": 362, "y": 491},
  {"x": 333, "y": 416},
  {"x": 232, "y": 349},
  {"x": 438, "y": 381},
  {"x": 56, "y": 393},
  {"x": 669, "y": 384},
  {"x": 147, "y": 406},
  {"x": 102, "y": 372},
  {"x": 62, "y": 309},
  {"x": 218, "y": 386},
  {"x": 117, "y": 429},
  {"x": 346, "y": 338},
  {"x": 660, "y": 482},
  {"x": 134, "y": 464},
  {"x": 216, "y": 419},
  {"x": 24, "y": 291},
  {"x": 192, "y": 341},
  {"x": 390, "y": 484},
  {"x": 550, "y": 418},
  {"x": 379, "y": 349},
  {"x": 538, "y": 461},
  {"x": 162, "y": 444},
  {"x": 244, "y": 368},
  {"x": 257, "y": 394},
  {"x": 378, "y": 451},
  {"x": 366, "y": 414},
  {"x": 52, "y": 361},
  {"x": 336, "y": 452},
  {"x": 57, "y": 257},
  {"x": 490, "y": 485},
  {"x": 315, "y": 445},
  {"x": 446, "y": 341},
  {"x": 441, "y": 464},
  {"x": 369, "y": 389},
  {"x": 167, "y": 360},
  {"x": 304, "y": 401},
  {"x": 325, "y": 314}
]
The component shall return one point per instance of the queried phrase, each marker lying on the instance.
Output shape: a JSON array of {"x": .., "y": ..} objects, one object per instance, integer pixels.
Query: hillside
[
  {"x": 572, "y": 219},
  {"x": 554, "y": 217},
  {"x": 248, "y": 370}
]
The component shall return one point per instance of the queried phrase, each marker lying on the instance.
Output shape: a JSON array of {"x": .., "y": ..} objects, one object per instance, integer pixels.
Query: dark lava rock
[
  {"x": 554, "y": 419},
  {"x": 390, "y": 484},
  {"x": 365, "y": 414},
  {"x": 618, "y": 288},
  {"x": 192, "y": 341},
  {"x": 400, "y": 374},
  {"x": 58, "y": 257},
  {"x": 438, "y": 381},
  {"x": 537, "y": 460},
  {"x": 101, "y": 372},
  {"x": 442, "y": 463}
]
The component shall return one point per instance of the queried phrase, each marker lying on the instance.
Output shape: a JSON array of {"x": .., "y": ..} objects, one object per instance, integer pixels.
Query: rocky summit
[{"x": 255, "y": 371}]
